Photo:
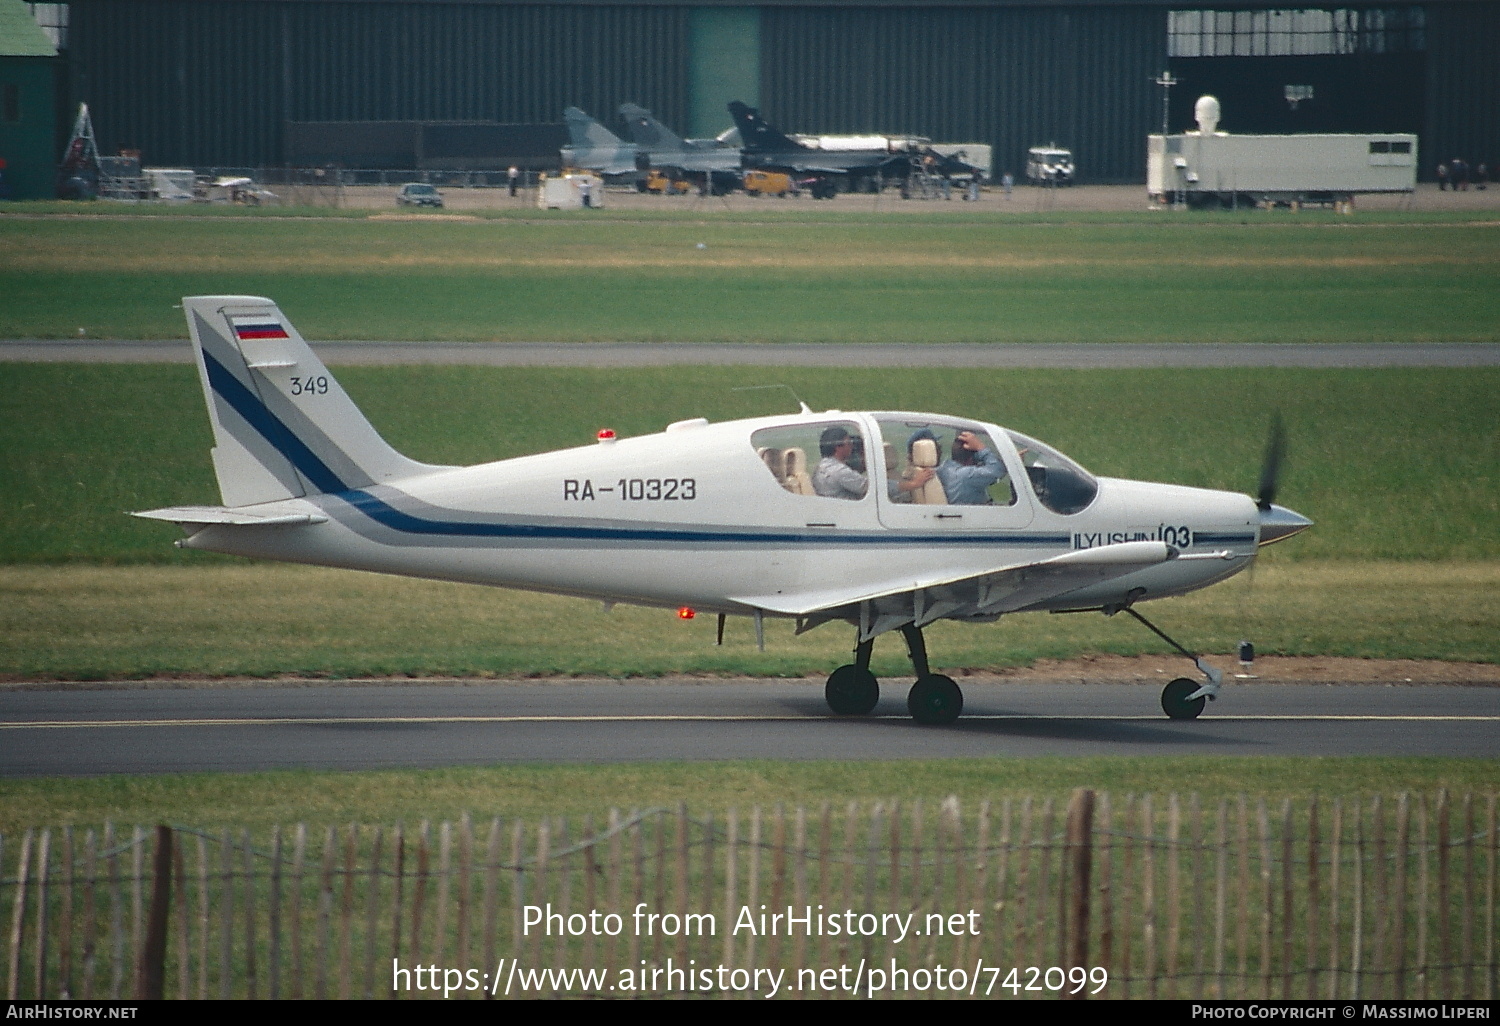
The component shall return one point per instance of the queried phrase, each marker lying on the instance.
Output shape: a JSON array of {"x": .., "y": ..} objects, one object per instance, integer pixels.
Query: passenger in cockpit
[{"x": 968, "y": 473}]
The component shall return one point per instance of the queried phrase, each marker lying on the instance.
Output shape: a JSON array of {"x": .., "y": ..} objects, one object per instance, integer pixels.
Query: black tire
[
  {"x": 935, "y": 700},
  {"x": 851, "y": 691},
  {"x": 1175, "y": 703}
]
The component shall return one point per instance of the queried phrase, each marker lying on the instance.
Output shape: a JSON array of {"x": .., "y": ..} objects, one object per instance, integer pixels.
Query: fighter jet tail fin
[
  {"x": 756, "y": 134},
  {"x": 584, "y": 131},
  {"x": 283, "y": 427},
  {"x": 647, "y": 132}
]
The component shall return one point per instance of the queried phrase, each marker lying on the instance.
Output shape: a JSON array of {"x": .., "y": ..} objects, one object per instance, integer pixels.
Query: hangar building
[
  {"x": 223, "y": 82},
  {"x": 28, "y": 107}
]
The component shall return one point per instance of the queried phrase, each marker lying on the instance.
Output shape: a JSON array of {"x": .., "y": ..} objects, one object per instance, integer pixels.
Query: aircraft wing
[
  {"x": 1005, "y": 589},
  {"x": 205, "y": 515}
]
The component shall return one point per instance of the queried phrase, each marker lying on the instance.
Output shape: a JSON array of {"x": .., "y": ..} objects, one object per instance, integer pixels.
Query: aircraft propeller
[{"x": 1270, "y": 469}]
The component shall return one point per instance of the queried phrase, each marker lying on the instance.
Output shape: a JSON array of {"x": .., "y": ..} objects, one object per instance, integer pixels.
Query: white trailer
[
  {"x": 570, "y": 192},
  {"x": 1216, "y": 168}
]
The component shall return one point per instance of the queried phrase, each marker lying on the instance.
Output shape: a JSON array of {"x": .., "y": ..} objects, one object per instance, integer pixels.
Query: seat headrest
[
  {"x": 796, "y": 462},
  {"x": 773, "y": 460},
  {"x": 924, "y": 453}
]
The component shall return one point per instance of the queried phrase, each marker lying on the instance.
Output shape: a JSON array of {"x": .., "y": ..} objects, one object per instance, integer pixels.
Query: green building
[{"x": 28, "y": 106}]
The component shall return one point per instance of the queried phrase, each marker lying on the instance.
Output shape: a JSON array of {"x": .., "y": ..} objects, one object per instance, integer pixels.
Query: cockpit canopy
[
  {"x": 1061, "y": 484},
  {"x": 830, "y": 459}
]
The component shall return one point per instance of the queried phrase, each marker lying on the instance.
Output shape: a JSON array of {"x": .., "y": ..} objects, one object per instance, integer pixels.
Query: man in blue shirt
[{"x": 969, "y": 472}]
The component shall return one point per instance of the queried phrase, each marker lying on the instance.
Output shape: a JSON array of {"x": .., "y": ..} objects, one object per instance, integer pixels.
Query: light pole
[{"x": 1166, "y": 81}]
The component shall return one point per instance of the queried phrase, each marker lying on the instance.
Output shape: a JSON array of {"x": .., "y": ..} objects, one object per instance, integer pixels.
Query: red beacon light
[
  {"x": 686, "y": 613},
  {"x": 606, "y": 434}
]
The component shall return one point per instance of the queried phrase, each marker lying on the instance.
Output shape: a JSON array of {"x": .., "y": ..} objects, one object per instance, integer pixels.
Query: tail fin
[
  {"x": 756, "y": 134},
  {"x": 649, "y": 133},
  {"x": 584, "y": 131},
  {"x": 283, "y": 427}
]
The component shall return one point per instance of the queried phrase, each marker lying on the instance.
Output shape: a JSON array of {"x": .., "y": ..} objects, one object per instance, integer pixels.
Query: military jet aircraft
[
  {"x": 817, "y": 517},
  {"x": 858, "y": 162},
  {"x": 712, "y": 163},
  {"x": 593, "y": 147}
]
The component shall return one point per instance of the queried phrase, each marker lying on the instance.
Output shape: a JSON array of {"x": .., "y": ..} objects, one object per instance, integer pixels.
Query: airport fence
[{"x": 1160, "y": 896}]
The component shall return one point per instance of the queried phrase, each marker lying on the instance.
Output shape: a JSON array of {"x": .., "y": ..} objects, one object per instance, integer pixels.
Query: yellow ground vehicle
[
  {"x": 767, "y": 183},
  {"x": 658, "y": 182}
]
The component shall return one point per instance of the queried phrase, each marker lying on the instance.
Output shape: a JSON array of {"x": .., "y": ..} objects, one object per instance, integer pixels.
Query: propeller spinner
[{"x": 1277, "y": 523}]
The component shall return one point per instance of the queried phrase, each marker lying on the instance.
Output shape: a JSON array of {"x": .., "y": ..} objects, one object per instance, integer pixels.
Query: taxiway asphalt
[{"x": 72, "y": 730}]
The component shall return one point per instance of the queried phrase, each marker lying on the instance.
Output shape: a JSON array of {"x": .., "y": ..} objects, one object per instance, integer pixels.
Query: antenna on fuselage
[{"x": 753, "y": 388}]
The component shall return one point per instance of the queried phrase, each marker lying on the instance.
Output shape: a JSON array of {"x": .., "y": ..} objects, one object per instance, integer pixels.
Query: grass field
[
  {"x": 1392, "y": 464},
  {"x": 258, "y": 801},
  {"x": 90, "y": 623},
  {"x": 906, "y": 279}
]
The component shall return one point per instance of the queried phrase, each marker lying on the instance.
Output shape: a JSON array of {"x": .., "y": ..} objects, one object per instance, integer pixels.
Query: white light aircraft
[{"x": 816, "y": 517}]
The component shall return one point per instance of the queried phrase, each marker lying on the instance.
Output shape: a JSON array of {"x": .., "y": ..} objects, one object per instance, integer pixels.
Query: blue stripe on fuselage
[{"x": 384, "y": 513}]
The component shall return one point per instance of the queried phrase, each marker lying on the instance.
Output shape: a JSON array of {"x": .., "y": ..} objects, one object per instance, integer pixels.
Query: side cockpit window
[
  {"x": 943, "y": 464},
  {"x": 825, "y": 460},
  {"x": 1061, "y": 485}
]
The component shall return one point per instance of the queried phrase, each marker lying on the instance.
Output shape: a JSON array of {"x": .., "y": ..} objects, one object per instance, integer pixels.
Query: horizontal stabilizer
[{"x": 221, "y": 515}]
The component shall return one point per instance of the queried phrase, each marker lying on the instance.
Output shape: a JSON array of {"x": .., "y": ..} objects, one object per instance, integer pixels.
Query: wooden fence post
[
  {"x": 150, "y": 984},
  {"x": 1080, "y": 857},
  {"x": 18, "y": 919}
]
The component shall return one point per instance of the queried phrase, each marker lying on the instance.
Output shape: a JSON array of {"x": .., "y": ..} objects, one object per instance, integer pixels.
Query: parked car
[
  {"x": 418, "y": 194},
  {"x": 1049, "y": 165}
]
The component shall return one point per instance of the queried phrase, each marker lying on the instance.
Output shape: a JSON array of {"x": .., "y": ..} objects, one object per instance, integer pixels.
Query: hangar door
[{"x": 1322, "y": 70}]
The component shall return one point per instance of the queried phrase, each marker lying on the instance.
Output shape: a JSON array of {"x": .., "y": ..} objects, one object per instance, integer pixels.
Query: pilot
[
  {"x": 835, "y": 478},
  {"x": 968, "y": 473}
]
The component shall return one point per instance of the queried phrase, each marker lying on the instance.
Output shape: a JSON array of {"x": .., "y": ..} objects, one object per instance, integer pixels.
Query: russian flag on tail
[{"x": 256, "y": 327}]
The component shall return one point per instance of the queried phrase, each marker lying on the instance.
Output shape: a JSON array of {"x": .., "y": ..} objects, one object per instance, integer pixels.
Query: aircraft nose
[{"x": 1279, "y": 523}]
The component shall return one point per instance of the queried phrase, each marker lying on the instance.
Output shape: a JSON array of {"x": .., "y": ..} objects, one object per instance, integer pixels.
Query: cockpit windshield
[{"x": 1061, "y": 485}]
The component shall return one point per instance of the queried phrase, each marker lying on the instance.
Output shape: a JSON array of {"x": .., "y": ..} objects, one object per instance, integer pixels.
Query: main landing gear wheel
[
  {"x": 851, "y": 691},
  {"x": 935, "y": 700},
  {"x": 1175, "y": 703}
]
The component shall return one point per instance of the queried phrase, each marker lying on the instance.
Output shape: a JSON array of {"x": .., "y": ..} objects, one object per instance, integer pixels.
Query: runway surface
[
  {"x": 609, "y": 354},
  {"x": 159, "y": 729}
]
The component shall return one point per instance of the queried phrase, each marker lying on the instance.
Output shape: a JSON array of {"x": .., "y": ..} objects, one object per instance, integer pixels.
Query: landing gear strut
[
  {"x": 934, "y": 699},
  {"x": 852, "y": 690},
  {"x": 1184, "y": 698}
]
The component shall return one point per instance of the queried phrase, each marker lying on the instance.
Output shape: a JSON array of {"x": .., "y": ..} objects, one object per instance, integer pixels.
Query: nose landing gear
[{"x": 1184, "y": 698}]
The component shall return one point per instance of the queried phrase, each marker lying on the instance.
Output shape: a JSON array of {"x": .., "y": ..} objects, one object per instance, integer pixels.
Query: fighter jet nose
[{"x": 1279, "y": 523}]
